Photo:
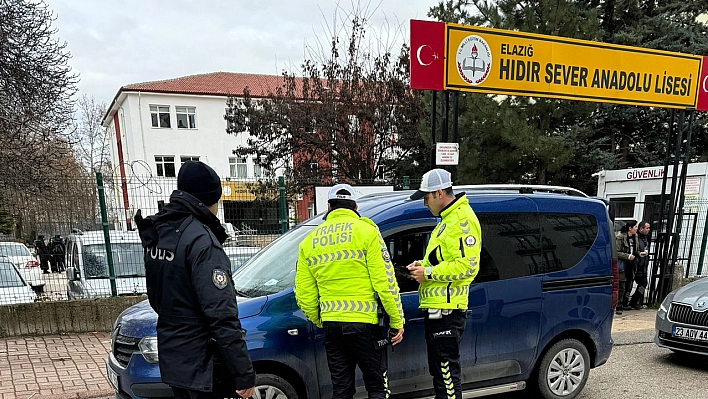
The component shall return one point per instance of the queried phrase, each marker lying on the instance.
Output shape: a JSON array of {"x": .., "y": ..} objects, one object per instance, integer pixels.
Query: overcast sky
[{"x": 115, "y": 43}]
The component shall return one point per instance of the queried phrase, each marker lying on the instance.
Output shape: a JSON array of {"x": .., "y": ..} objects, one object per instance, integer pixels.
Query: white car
[
  {"x": 13, "y": 288},
  {"x": 239, "y": 255},
  {"x": 25, "y": 263}
]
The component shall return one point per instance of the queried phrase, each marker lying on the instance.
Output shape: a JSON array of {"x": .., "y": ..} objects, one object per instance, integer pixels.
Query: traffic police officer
[
  {"x": 189, "y": 286},
  {"x": 451, "y": 263},
  {"x": 343, "y": 267}
]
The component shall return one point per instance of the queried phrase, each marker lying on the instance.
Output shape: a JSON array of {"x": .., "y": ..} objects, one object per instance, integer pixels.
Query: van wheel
[
  {"x": 269, "y": 386},
  {"x": 564, "y": 370}
]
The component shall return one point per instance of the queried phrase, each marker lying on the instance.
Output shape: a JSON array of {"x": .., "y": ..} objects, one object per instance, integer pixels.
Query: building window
[
  {"x": 186, "y": 117},
  {"x": 257, "y": 168},
  {"x": 235, "y": 123},
  {"x": 237, "y": 167},
  {"x": 165, "y": 166},
  {"x": 310, "y": 209},
  {"x": 186, "y": 158},
  {"x": 160, "y": 115}
]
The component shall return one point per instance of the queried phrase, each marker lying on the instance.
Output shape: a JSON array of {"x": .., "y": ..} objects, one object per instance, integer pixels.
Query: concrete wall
[{"x": 63, "y": 317}]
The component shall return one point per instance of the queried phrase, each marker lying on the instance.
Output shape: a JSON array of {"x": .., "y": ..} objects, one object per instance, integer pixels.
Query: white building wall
[{"x": 142, "y": 142}]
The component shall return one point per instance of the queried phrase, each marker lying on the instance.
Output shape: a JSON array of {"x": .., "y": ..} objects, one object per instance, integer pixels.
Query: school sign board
[{"x": 494, "y": 61}]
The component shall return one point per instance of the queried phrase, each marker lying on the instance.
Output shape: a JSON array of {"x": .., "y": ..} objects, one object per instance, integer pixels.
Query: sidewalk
[
  {"x": 56, "y": 367},
  {"x": 74, "y": 366}
]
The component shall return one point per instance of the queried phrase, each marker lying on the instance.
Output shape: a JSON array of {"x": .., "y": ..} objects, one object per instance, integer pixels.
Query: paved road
[{"x": 638, "y": 368}]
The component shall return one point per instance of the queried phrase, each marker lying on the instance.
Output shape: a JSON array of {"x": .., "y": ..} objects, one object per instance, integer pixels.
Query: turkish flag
[
  {"x": 427, "y": 55},
  {"x": 702, "y": 104}
]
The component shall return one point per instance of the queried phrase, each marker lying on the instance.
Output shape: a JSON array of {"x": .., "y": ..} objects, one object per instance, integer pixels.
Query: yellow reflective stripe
[
  {"x": 443, "y": 291},
  {"x": 337, "y": 255},
  {"x": 348, "y": 306},
  {"x": 447, "y": 379}
]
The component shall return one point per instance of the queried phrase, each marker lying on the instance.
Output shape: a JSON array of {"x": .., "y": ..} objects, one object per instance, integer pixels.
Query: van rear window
[{"x": 525, "y": 244}]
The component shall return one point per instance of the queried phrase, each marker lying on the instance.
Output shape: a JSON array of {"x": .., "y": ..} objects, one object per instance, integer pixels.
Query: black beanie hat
[{"x": 198, "y": 179}]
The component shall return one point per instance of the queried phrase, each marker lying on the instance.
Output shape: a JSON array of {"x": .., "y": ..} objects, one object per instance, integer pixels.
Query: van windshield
[
  {"x": 271, "y": 270},
  {"x": 128, "y": 260}
]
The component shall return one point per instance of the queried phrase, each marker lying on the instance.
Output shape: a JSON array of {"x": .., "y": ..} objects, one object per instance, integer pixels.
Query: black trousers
[
  {"x": 442, "y": 338},
  {"x": 355, "y": 344},
  {"x": 638, "y": 297}
]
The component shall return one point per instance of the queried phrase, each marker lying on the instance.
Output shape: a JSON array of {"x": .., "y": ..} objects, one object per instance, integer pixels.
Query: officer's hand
[
  {"x": 396, "y": 339},
  {"x": 246, "y": 393},
  {"x": 417, "y": 272}
]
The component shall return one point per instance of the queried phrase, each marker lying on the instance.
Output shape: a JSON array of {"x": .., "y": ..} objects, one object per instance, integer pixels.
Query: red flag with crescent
[{"x": 427, "y": 55}]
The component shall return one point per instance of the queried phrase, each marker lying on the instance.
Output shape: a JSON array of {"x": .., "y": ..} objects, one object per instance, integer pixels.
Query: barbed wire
[{"x": 133, "y": 179}]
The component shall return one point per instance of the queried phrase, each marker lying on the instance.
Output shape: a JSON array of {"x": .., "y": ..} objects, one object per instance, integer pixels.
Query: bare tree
[
  {"x": 92, "y": 144},
  {"x": 351, "y": 116},
  {"x": 36, "y": 89}
]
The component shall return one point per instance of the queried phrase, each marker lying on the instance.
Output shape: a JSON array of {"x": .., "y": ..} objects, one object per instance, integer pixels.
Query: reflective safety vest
[
  {"x": 452, "y": 258},
  {"x": 341, "y": 264}
]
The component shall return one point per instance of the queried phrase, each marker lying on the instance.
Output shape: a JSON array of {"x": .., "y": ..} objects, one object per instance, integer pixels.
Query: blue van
[{"x": 540, "y": 310}]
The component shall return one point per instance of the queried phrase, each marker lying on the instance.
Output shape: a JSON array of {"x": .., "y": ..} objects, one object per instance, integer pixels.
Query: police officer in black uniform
[{"x": 189, "y": 286}]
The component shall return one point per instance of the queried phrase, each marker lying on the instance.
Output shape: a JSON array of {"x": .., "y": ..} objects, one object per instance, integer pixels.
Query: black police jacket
[{"x": 189, "y": 285}]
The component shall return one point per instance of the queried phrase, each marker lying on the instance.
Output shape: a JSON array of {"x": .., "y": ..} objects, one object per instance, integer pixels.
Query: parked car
[
  {"x": 540, "y": 309},
  {"x": 87, "y": 270},
  {"x": 239, "y": 255},
  {"x": 14, "y": 288},
  {"x": 26, "y": 264},
  {"x": 682, "y": 319}
]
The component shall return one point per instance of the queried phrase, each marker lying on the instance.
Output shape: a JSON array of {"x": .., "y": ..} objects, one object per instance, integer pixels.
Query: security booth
[{"x": 636, "y": 194}]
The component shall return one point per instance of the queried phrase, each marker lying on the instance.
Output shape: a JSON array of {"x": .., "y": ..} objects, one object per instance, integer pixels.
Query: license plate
[
  {"x": 112, "y": 377},
  {"x": 690, "y": 333}
]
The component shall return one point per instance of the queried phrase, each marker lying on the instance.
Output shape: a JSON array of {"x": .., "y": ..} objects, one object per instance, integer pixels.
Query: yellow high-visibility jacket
[
  {"x": 451, "y": 258},
  {"x": 340, "y": 265}
]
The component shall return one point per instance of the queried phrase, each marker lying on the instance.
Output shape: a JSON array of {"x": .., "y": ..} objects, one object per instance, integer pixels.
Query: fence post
[
  {"x": 702, "y": 256},
  {"x": 106, "y": 234},
  {"x": 283, "y": 205}
]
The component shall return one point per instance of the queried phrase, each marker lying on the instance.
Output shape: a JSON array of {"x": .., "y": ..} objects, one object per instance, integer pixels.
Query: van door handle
[{"x": 293, "y": 332}]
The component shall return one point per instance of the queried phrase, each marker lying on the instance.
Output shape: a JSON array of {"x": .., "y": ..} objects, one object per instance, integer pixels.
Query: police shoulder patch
[
  {"x": 385, "y": 255},
  {"x": 470, "y": 241},
  {"x": 219, "y": 278}
]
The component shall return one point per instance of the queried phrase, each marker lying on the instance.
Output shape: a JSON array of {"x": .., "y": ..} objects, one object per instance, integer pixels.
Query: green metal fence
[{"x": 74, "y": 237}]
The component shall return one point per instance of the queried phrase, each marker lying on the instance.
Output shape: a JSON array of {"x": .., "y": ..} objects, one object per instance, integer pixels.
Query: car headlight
[
  {"x": 667, "y": 301},
  {"x": 148, "y": 348}
]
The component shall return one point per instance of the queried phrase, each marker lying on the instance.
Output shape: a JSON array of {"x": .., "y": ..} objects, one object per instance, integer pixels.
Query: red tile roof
[{"x": 216, "y": 83}]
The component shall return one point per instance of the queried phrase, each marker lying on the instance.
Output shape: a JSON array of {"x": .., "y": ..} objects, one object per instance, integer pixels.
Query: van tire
[
  {"x": 573, "y": 374},
  {"x": 272, "y": 386}
]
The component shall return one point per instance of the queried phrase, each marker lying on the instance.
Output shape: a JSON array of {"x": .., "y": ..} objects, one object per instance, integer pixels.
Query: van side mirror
[{"x": 72, "y": 274}]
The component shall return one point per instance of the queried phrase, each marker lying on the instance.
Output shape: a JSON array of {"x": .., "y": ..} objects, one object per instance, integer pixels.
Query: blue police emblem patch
[
  {"x": 219, "y": 278},
  {"x": 385, "y": 255},
  {"x": 442, "y": 228}
]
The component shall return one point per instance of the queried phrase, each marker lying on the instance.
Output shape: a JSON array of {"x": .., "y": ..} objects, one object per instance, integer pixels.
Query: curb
[{"x": 78, "y": 395}]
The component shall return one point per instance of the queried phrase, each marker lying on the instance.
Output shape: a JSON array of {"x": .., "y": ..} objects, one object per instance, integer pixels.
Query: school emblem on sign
[
  {"x": 474, "y": 60},
  {"x": 385, "y": 255},
  {"x": 470, "y": 241},
  {"x": 219, "y": 278}
]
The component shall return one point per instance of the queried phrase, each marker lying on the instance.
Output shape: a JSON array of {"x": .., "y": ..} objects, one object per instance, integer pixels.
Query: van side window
[
  {"x": 566, "y": 239},
  {"x": 511, "y": 246},
  {"x": 404, "y": 248}
]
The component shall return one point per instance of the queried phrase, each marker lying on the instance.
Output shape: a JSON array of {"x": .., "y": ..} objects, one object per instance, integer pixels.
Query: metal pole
[
  {"x": 455, "y": 118},
  {"x": 445, "y": 112},
  {"x": 283, "y": 205},
  {"x": 106, "y": 234},
  {"x": 662, "y": 238},
  {"x": 433, "y": 117}
]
